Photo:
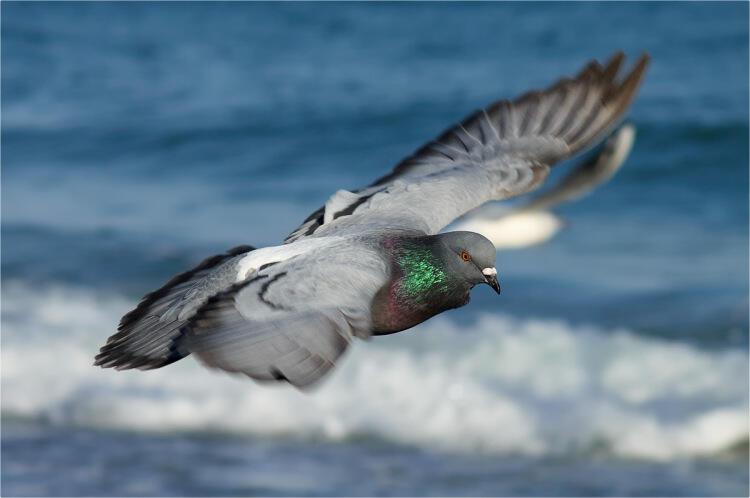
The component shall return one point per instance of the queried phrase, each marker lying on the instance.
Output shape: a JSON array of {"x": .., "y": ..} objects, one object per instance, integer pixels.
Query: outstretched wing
[
  {"x": 149, "y": 336},
  {"x": 294, "y": 319},
  {"x": 496, "y": 153},
  {"x": 532, "y": 223},
  {"x": 589, "y": 174}
]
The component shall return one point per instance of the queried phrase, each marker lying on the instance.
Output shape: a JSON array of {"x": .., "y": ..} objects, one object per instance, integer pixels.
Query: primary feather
[
  {"x": 289, "y": 312},
  {"x": 532, "y": 222},
  {"x": 496, "y": 153}
]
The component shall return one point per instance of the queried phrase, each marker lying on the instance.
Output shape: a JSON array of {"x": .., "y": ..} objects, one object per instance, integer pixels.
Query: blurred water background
[{"x": 139, "y": 138}]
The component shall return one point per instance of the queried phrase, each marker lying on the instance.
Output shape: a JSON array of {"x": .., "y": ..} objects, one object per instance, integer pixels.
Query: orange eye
[{"x": 465, "y": 256}]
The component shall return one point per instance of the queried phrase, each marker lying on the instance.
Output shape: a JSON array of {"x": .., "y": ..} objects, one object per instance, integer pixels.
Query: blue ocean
[{"x": 139, "y": 138}]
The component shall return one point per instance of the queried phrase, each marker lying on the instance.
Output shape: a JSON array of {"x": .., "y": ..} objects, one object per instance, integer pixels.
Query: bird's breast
[{"x": 394, "y": 310}]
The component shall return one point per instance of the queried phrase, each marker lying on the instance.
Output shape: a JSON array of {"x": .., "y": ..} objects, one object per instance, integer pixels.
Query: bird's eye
[{"x": 465, "y": 256}]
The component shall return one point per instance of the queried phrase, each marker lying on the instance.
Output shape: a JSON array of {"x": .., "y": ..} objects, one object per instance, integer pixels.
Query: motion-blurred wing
[
  {"x": 531, "y": 223},
  {"x": 588, "y": 175},
  {"x": 148, "y": 337},
  {"x": 496, "y": 153},
  {"x": 292, "y": 321}
]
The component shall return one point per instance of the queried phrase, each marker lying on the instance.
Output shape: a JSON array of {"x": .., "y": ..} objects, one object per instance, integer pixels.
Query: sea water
[{"x": 139, "y": 138}]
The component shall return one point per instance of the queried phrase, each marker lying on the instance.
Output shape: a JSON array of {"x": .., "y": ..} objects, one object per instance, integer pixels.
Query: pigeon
[
  {"x": 533, "y": 223},
  {"x": 372, "y": 261}
]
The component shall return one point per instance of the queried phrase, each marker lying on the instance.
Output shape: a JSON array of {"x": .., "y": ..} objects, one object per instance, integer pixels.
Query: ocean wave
[{"x": 503, "y": 386}]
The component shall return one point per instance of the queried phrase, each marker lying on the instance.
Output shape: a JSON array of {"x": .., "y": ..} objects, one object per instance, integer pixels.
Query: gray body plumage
[{"x": 289, "y": 312}]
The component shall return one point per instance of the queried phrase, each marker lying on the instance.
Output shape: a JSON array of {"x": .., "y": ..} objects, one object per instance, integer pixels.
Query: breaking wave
[{"x": 501, "y": 385}]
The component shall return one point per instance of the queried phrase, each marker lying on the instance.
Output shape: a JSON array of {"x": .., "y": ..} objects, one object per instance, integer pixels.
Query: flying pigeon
[
  {"x": 533, "y": 223},
  {"x": 372, "y": 261}
]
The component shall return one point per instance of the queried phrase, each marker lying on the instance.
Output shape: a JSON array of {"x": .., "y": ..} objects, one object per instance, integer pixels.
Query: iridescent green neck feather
[
  {"x": 421, "y": 274},
  {"x": 423, "y": 284}
]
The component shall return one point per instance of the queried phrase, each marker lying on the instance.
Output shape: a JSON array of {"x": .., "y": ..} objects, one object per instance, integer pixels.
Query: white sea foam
[{"x": 500, "y": 386}]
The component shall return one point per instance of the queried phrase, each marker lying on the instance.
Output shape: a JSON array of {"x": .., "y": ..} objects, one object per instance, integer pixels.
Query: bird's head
[{"x": 473, "y": 257}]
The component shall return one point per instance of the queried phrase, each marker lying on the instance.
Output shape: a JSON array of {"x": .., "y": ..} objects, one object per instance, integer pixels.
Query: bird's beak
[{"x": 490, "y": 276}]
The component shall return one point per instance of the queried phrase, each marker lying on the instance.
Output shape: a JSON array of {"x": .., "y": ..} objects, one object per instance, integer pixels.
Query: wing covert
[
  {"x": 498, "y": 152},
  {"x": 293, "y": 320}
]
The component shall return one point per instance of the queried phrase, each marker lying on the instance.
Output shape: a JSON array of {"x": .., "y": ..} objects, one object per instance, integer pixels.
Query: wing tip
[
  {"x": 144, "y": 342},
  {"x": 617, "y": 96}
]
